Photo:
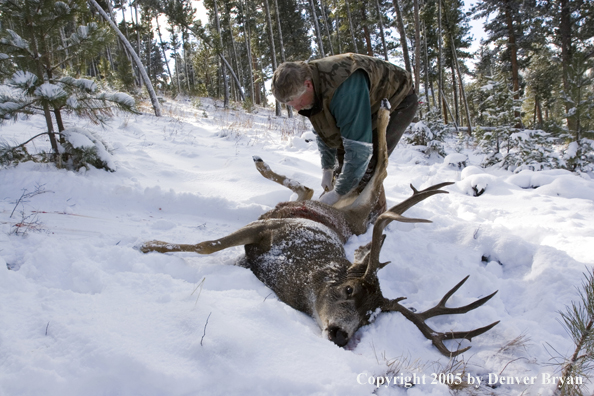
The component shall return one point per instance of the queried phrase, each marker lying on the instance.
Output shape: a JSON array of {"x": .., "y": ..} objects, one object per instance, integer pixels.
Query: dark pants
[{"x": 400, "y": 119}]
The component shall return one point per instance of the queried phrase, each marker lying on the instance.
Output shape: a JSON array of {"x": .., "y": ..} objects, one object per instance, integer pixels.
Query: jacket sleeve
[
  {"x": 328, "y": 154},
  {"x": 356, "y": 158}
]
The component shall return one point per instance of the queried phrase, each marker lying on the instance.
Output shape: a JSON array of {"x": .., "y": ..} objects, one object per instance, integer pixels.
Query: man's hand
[
  {"x": 330, "y": 198},
  {"x": 327, "y": 179}
]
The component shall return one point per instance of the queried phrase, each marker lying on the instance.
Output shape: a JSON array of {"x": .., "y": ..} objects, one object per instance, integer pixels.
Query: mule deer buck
[{"x": 297, "y": 250}]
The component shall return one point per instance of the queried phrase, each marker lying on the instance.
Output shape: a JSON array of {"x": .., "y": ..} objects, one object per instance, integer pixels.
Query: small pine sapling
[{"x": 578, "y": 320}]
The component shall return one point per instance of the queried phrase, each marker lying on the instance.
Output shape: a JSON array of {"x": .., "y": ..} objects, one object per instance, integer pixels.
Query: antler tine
[
  {"x": 441, "y": 309},
  {"x": 395, "y": 214},
  {"x": 437, "y": 338},
  {"x": 433, "y": 187}
]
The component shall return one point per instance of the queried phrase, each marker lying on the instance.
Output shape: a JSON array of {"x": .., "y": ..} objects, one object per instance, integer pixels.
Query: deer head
[
  {"x": 346, "y": 300},
  {"x": 351, "y": 296}
]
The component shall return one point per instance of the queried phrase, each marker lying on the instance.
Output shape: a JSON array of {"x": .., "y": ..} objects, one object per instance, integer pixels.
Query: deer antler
[
  {"x": 438, "y": 338},
  {"x": 395, "y": 213}
]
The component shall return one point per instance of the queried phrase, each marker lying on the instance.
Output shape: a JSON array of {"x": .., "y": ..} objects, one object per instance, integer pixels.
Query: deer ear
[{"x": 362, "y": 252}]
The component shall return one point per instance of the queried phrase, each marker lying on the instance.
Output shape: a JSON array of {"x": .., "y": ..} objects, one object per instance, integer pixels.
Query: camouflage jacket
[{"x": 385, "y": 81}]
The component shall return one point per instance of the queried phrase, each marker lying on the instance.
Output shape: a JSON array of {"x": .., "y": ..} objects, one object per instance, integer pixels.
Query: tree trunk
[
  {"x": 318, "y": 34},
  {"x": 381, "y": 24},
  {"x": 46, "y": 109},
  {"x": 137, "y": 77},
  {"x": 440, "y": 64},
  {"x": 272, "y": 50},
  {"x": 351, "y": 25},
  {"x": 147, "y": 81},
  {"x": 322, "y": 8},
  {"x": 247, "y": 38},
  {"x": 337, "y": 28},
  {"x": 402, "y": 33},
  {"x": 184, "y": 54},
  {"x": 366, "y": 32},
  {"x": 417, "y": 45},
  {"x": 138, "y": 38},
  {"x": 513, "y": 52},
  {"x": 149, "y": 51},
  {"x": 135, "y": 5},
  {"x": 447, "y": 111},
  {"x": 538, "y": 112},
  {"x": 163, "y": 50},
  {"x": 220, "y": 50},
  {"x": 566, "y": 59},
  {"x": 282, "y": 47},
  {"x": 428, "y": 80},
  {"x": 426, "y": 68},
  {"x": 455, "y": 93},
  {"x": 235, "y": 59},
  {"x": 462, "y": 90}
]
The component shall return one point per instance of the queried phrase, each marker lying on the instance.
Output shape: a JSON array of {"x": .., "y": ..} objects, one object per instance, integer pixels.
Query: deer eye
[{"x": 349, "y": 291}]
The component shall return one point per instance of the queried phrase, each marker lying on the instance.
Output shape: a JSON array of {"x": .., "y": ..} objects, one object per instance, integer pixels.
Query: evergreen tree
[{"x": 36, "y": 54}]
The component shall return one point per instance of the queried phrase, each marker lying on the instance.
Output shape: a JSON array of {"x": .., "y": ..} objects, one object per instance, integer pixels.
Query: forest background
[{"x": 523, "y": 96}]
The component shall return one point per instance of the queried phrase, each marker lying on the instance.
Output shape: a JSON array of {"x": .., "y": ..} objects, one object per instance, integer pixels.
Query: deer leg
[
  {"x": 251, "y": 233},
  {"x": 303, "y": 193}
]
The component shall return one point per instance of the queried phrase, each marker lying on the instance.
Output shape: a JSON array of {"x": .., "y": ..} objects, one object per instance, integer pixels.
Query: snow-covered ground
[{"x": 83, "y": 312}]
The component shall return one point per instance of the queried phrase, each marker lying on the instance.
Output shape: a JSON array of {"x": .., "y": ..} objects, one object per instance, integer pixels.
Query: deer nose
[{"x": 338, "y": 336}]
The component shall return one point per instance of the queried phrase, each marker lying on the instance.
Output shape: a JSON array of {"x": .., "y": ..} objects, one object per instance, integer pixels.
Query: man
[{"x": 341, "y": 95}]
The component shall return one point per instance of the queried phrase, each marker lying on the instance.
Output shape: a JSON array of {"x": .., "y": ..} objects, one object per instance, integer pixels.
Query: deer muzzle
[{"x": 338, "y": 336}]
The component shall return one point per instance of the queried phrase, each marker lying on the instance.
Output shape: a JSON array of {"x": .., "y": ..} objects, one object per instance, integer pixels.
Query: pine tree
[{"x": 37, "y": 52}]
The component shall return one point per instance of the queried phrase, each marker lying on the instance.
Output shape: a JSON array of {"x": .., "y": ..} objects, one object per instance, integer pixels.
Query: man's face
[{"x": 306, "y": 100}]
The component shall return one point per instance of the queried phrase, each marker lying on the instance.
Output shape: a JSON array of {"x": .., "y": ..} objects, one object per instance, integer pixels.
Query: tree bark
[
  {"x": 566, "y": 58},
  {"x": 337, "y": 28},
  {"x": 163, "y": 50},
  {"x": 462, "y": 90},
  {"x": 147, "y": 81},
  {"x": 220, "y": 51},
  {"x": 351, "y": 25},
  {"x": 326, "y": 25},
  {"x": 402, "y": 33},
  {"x": 440, "y": 63},
  {"x": 417, "y": 45},
  {"x": 455, "y": 93},
  {"x": 318, "y": 34},
  {"x": 426, "y": 68},
  {"x": 235, "y": 59},
  {"x": 381, "y": 24},
  {"x": 366, "y": 32},
  {"x": 272, "y": 50},
  {"x": 513, "y": 50},
  {"x": 247, "y": 39},
  {"x": 282, "y": 47}
]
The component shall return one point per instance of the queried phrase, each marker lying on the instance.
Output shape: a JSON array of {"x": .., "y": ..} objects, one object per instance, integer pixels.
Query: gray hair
[{"x": 289, "y": 79}]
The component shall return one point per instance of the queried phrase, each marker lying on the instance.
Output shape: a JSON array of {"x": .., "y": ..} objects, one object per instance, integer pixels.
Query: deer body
[
  {"x": 297, "y": 250},
  {"x": 305, "y": 264}
]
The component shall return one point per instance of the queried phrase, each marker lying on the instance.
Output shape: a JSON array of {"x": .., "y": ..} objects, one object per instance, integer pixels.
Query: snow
[
  {"x": 118, "y": 97},
  {"x": 572, "y": 150},
  {"x": 50, "y": 91},
  {"x": 15, "y": 40},
  {"x": 23, "y": 78},
  {"x": 84, "y": 312}
]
